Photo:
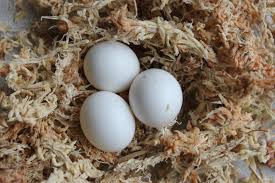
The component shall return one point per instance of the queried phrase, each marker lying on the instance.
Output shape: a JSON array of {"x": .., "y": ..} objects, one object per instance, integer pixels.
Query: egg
[
  {"x": 156, "y": 98},
  {"x": 107, "y": 121},
  {"x": 111, "y": 66}
]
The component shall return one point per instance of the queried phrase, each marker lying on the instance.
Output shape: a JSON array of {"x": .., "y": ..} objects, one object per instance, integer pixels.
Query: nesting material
[{"x": 221, "y": 52}]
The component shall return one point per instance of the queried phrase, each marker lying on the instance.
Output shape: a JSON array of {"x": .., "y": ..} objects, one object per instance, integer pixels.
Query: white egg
[
  {"x": 155, "y": 98},
  {"x": 111, "y": 66},
  {"x": 107, "y": 121}
]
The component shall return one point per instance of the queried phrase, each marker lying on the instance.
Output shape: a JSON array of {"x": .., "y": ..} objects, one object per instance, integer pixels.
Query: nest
[{"x": 221, "y": 51}]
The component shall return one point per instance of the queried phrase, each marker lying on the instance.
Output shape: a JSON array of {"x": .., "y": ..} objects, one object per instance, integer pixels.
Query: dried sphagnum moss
[{"x": 221, "y": 51}]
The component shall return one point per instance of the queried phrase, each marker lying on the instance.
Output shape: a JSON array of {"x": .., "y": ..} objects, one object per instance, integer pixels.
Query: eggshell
[
  {"x": 111, "y": 66},
  {"x": 107, "y": 121},
  {"x": 155, "y": 98}
]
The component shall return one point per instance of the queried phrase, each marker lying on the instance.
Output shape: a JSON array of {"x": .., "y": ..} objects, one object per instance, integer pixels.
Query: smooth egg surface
[
  {"x": 155, "y": 97},
  {"x": 107, "y": 121},
  {"x": 111, "y": 66}
]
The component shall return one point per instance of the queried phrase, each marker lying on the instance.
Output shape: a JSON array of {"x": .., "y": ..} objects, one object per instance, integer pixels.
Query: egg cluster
[{"x": 106, "y": 119}]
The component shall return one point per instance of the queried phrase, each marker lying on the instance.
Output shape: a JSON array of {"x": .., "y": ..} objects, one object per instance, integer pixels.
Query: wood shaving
[{"x": 222, "y": 52}]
